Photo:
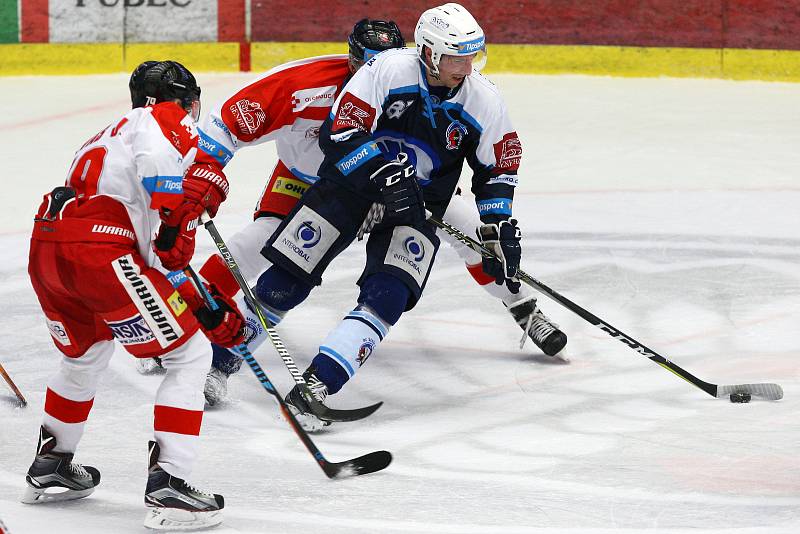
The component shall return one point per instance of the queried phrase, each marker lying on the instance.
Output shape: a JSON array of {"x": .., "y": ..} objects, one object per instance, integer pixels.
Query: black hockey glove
[
  {"x": 503, "y": 240},
  {"x": 397, "y": 182}
]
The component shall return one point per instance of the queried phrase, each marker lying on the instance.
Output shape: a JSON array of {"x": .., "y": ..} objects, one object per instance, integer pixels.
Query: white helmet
[{"x": 451, "y": 30}]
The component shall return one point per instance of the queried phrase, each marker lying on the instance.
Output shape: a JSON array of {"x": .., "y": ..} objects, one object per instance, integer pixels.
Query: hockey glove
[
  {"x": 503, "y": 240},
  {"x": 223, "y": 326},
  {"x": 205, "y": 187},
  {"x": 397, "y": 182}
]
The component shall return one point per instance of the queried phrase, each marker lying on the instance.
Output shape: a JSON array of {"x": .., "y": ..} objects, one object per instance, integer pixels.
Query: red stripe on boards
[
  {"x": 35, "y": 24},
  {"x": 177, "y": 420},
  {"x": 230, "y": 21},
  {"x": 66, "y": 410}
]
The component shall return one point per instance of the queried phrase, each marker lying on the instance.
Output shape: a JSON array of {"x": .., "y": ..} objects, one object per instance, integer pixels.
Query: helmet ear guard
[{"x": 449, "y": 30}]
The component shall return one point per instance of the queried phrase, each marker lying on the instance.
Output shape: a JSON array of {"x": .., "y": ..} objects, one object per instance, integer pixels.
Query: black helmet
[
  {"x": 372, "y": 36},
  {"x": 161, "y": 81}
]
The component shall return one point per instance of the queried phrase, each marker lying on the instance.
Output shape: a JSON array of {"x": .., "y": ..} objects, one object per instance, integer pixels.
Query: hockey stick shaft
[
  {"x": 13, "y": 386},
  {"x": 332, "y": 470},
  {"x": 319, "y": 409},
  {"x": 769, "y": 391}
]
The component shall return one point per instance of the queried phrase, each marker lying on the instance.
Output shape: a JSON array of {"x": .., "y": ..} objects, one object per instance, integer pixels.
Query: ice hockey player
[
  {"x": 106, "y": 261},
  {"x": 258, "y": 113},
  {"x": 398, "y": 135}
]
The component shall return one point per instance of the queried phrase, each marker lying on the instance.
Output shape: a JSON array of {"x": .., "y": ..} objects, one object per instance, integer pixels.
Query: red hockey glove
[
  {"x": 174, "y": 243},
  {"x": 205, "y": 184},
  {"x": 204, "y": 189},
  {"x": 223, "y": 326}
]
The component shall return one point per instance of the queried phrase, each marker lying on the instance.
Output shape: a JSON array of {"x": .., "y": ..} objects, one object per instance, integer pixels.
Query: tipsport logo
[
  {"x": 308, "y": 235},
  {"x": 470, "y": 47}
]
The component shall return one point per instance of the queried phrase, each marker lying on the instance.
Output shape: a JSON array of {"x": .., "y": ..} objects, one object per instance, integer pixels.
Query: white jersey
[
  {"x": 288, "y": 105},
  {"x": 138, "y": 162}
]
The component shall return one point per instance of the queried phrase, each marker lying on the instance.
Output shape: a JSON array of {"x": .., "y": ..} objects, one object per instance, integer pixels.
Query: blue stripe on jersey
[
  {"x": 214, "y": 148},
  {"x": 405, "y": 89},
  {"x": 373, "y": 321},
  {"x": 358, "y": 157},
  {"x": 498, "y": 206},
  {"x": 163, "y": 184},
  {"x": 341, "y": 360},
  {"x": 464, "y": 115},
  {"x": 176, "y": 278},
  {"x": 307, "y": 178}
]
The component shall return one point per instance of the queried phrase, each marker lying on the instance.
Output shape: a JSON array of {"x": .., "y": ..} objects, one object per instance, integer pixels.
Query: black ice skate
[
  {"x": 53, "y": 476},
  {"x": 175, "y": 505},
  {"x": 544, "y": 333},
  {"x": 300, "y": 408}
]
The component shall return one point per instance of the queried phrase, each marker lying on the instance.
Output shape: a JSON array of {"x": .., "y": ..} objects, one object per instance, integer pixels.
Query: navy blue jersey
[{"x": 388, "y": 107}]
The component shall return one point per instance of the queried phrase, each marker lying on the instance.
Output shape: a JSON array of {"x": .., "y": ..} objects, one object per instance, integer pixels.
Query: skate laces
[
  {"x": 77, "y": 469},
  {"x": 317, "y": 388},
  {"x": 537, "y": 326},
  {"x": 195, "y": 489}
]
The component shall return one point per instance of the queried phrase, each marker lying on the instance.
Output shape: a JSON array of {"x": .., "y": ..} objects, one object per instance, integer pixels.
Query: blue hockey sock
[{"x": 348, "y": 346}]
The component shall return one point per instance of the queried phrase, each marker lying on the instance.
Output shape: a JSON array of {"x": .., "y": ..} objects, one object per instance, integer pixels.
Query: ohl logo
[
  {"x": 308, "y": 234},
  {"x": 414, "y": 248},
  {"x": 454, "y": 135}
]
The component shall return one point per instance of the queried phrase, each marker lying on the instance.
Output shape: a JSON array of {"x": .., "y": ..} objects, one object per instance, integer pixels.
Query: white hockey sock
[
  {"x": 255, "y": 334},
  {"x": 356, "y": 337}
]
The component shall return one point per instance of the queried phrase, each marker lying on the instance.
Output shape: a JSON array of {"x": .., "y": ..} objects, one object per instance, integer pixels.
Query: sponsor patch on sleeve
[
  {"x": 495, "y": 206},
  {"x": 358, "y": 157},
  {"x": 508, "y": 152},
  {"x": 353, "y": 113},
  {"x": 506, "y": 179},
  {"x": 214, "y": 149}
]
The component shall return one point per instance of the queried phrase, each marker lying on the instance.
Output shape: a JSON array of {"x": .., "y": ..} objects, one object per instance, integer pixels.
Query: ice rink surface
[{"x": 669, "y": 208}]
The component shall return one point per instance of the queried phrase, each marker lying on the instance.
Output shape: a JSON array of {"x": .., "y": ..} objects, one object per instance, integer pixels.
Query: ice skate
[
  {"x": 535, "y": 325},
  {"x": 300, "y": 408},
  {"x": 175, "y": 505},
  {"x": 53, "y": 476},
  {"x": 149, "y": 366},
  {"x": 216, "y": 388}
]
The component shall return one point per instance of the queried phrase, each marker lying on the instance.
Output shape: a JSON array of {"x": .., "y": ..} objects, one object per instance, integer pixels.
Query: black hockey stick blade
[
  {"x": 335, "y": 415},
  {"x": 363, "y": 465}
]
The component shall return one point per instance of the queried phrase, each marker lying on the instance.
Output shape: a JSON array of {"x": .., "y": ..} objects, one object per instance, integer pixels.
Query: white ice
[{"x": 667, "y": 207}]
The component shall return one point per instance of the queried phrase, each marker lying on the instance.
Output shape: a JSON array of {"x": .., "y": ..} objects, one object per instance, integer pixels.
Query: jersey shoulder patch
[{"x": 176, "y": 125}]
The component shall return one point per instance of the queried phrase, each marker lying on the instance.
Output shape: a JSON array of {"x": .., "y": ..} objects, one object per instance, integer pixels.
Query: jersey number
[{"x": 86, "y": 172}]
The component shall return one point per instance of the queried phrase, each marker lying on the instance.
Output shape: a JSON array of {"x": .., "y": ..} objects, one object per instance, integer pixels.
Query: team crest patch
[
  {"x": 365, "y": 350},
  {"x": 455, "y": 134},
  {"x": 249, "y": 115}
]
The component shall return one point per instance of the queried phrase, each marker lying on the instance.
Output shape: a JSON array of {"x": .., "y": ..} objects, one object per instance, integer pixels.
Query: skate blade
[
  {"x": 561, "y": 355},
  {"x": 309, "y": 422},
  {"x": 176, "y": 519},
  {"x": 41, "y": 495}
]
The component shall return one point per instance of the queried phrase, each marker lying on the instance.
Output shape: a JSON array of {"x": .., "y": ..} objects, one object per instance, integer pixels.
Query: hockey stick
[
  {"x": 766, "y": 391},
  {"x": 368, "y": 463},
  {"x": 13, "y": 386},
  {"x": 320, "y": 410}
]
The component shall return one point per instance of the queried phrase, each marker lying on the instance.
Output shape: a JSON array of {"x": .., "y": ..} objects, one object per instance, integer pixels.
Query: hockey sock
[
  {"x": 348, "y": 346},
  {"x": 70, "y": 395},
  {"x": 381, "y": 302},
  {"x": 497, "y": 291}
]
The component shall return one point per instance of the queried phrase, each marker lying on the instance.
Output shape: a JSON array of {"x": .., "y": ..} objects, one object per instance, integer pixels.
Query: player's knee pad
[
  {"x": 194, "y": 354},
  {"x": 280, "y": 289},
  {"x": 386, "y": 295}
]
